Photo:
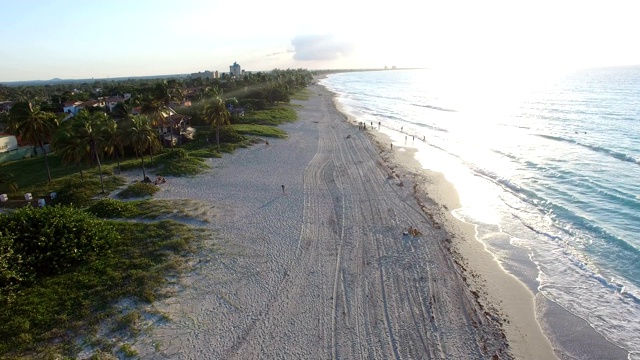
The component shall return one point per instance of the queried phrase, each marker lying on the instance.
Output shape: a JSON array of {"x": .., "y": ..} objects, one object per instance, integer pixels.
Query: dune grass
[
  {"x": 260, "y": 130},
  {"x": 45, "y": 319},
  {"x": 149, "y": 209},
  {"x": 273, "y": 116},
  {"x": 137, "y": 190}
]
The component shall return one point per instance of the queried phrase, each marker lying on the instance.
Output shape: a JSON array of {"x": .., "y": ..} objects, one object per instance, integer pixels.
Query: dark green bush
[
  {"x": 78, "y": 193},
  {"x": 253, "y": 104},
  {"x": 176, "y": 154},
  {"x": 111, "y": 208},
  {"x": 210, "y": 152},
  {"x": 50, "y": 239},
  {"x": 74, "y": 191},
  {"x": 229, "y": 135},
  {"x": 10, "y": 262},
  {"x": 138, "y": 189}
]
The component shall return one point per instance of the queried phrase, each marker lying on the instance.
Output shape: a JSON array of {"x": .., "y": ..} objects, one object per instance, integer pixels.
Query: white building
[
  {"x": 235, "y": 69},
  {"x": 203, "y": 75}
]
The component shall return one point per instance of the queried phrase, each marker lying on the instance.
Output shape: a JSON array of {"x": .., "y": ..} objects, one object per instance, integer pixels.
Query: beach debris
[{"x": 411, "y": 231}]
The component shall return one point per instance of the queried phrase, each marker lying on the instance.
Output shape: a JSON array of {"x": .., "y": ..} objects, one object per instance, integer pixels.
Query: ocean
[{"x": 547, "y": 166}]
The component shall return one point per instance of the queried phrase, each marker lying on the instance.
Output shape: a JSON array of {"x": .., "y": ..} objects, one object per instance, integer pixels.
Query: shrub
[
  {"x": 10, "y": 263},
  {"x": 77, "y": 193},
  {"x": 210, "y": 152},
  {"x": 176, "y": 154},
  {"x": 138, "y": 189},
  {"x": 111, "y": 208},
  {"x": 51, "y": 239},
  {"x": 253, "y": 104},
  {"x": 229, "y": 135}
]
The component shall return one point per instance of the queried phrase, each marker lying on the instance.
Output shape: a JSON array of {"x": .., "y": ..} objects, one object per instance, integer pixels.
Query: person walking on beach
[{"x": 283, "y": 189}]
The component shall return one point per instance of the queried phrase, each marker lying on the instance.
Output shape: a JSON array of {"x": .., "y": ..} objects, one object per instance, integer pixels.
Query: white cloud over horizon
[{"x": 320, "y": 47}]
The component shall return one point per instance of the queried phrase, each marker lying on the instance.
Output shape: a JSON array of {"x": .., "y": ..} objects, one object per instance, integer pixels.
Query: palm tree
[
  {"x": 113, "y": 137},
  {"x": 156, "y": 105},
  {"x": 217, "y": 114},
  {"x": 33, "y": 126},
  {"x": 69, "y": 147},
  {"x": 88, "y": 129},
  {"x": 139, "y": 133}
]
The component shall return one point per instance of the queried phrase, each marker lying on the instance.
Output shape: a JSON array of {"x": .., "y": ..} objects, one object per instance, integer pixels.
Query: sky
[{"x": 83, "y": 39}]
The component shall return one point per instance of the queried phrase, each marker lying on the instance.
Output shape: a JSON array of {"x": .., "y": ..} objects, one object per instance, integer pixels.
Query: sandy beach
[{"x": 321, "y": 269}]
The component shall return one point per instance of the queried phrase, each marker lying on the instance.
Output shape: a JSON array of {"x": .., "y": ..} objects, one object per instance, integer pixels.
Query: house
[
  {"x": 112, "y": 101},
  {"x": 176, "y": 128},
  {"x": 72, "y": 107}
]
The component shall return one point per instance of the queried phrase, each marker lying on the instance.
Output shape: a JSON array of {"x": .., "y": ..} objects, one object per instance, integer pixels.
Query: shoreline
[
  {"x": 535, "y": 326},
  {"x": 500, "y": 292}
]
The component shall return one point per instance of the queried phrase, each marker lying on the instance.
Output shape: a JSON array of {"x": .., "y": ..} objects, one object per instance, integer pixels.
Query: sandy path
[{"x": 321, "y": 271}]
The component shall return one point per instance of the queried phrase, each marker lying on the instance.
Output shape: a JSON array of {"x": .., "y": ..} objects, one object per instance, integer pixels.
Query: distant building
[
  {"x": 203, "y": 75},
  {"x": 72, "y": 107},
  {"x": 235, "y": 70}
]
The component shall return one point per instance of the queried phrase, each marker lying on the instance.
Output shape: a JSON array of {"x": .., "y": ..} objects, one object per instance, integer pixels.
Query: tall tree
[
  {"x": 139, "y": 133},
  {"x": 156, "y": 105},
  {"x": 216, "y": 113},
  {"x": 33, "y": 126},
  {"x": 113, "y": 137},
  {"x": 88, "y": 130},
  {"x": 69, "y": 147}
]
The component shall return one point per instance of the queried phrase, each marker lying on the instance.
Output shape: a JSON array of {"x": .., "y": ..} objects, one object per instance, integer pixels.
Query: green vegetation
[
  {"x": 149, "y": 209},
  {"x": 139, "y": 189},
  {"x": 303, "y": 94},
  {"x": 273, "y": 116},
  {"x": 73, "y": 191},
  {"x": 50, "y": 315},
  {"x": 42, "y": 242},
  {"x": 259, "y": 130},
  {"x": 65, "y": 267},
  {"x": 180, "y": 163}
]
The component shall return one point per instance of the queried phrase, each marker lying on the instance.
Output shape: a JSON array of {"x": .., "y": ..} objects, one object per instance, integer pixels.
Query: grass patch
[
  {"x": 273, "y": 116},
  {"x": 149, "y": 209},
  {"x": 50, "y": 315},
  {"x": 128, "y": 351},
  {"x": 260, "y": 130},
  {"x": 138, "y": 189},
  {"x": 190, "y": 166},
  {"x": 304, "y": 94}
]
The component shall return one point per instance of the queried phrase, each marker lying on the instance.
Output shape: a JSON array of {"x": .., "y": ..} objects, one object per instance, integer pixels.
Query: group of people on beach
[{"x": 159, "y": 180}]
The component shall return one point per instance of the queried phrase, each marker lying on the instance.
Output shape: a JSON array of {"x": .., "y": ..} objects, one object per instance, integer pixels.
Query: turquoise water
[{"x": 547, "y": 166}]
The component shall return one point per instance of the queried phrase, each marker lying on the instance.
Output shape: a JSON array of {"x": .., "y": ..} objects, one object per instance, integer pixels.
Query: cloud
[{"x": 320, "y": 47}]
